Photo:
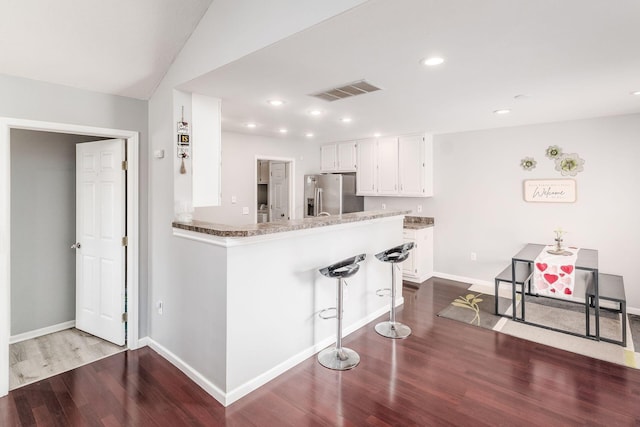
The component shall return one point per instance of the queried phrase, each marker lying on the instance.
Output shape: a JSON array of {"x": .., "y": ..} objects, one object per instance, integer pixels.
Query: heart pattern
[
  {"x": 567, "y": 268},
  {"x": 554, "y": 274}
]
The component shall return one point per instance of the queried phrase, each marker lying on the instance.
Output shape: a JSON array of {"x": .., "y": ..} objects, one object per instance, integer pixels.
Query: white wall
[
  {"x": 34, "y": 100},
  {"x": 229, "y": 30},
  {"x": 239, "y": 153},
  {"x": 42, "y": 263},
  {"x": 478, "y": 204}
]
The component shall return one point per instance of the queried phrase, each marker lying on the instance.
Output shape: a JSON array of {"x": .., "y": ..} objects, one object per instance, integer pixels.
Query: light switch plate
[{"x": 245, "y": 211}]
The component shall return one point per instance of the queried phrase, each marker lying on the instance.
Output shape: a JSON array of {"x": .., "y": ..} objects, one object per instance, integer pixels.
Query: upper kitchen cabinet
[
  {"x": 415, "y": 166},
  {"x": 339, "y": 157},
  {"x": 263, "y": 171},
  {"x": 367, "y": 176},
  {"x": 396, "y": 166},
  {"x": 387, "y": 166}
]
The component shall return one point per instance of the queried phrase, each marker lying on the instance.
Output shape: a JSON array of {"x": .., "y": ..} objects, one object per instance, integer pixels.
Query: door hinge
[
  {"x": 125, "y": 165},
  {"x": 125, "y": 241},
  {"x": 125, "y": 317}
]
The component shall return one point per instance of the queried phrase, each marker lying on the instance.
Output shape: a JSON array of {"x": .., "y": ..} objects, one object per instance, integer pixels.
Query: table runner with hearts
[{"x": 555, "y": 275}]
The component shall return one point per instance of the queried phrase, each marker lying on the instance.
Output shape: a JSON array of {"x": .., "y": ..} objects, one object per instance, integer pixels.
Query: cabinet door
[
  {"x": 328, "y": 158},
  {"x": 347, "y": 157},
  {"x": 387, "y": 166},
  {"x": 409, "y": 265},
  {"x": 263, "y": 171},
  {"x": 411, "y": 166},
  {"x": 366, "y": 177}
]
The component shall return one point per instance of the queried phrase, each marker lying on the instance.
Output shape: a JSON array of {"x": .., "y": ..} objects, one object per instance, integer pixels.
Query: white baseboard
[
  {"x": 463, "y": 279},
  {"x": 228, "y": 398},
  {"x": 42, "y": 331},
  {"x": 142, "y": 342},
  {"x": 194, "y": 375},
  {"x": 267, "y": 376}
]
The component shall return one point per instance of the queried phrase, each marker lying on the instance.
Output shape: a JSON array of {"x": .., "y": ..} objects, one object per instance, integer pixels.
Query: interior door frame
[
  {"x": 133, "y": 141},
  {"x": 292, "y": 187}
]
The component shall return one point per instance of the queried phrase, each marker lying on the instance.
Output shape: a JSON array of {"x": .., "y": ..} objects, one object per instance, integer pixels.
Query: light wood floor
[{"x": 48, "y": 355}]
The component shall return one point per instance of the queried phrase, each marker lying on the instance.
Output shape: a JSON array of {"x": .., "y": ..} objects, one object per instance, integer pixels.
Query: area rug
[{"x": 475, "y": 306}]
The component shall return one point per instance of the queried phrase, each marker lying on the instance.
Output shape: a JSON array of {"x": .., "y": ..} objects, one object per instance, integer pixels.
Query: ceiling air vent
[{"x": 353, "y": 89}]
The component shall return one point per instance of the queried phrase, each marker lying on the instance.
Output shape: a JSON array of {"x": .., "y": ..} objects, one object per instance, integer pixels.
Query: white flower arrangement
[
  {"x": 528, "y": 163},
  {"x": 569, "y": 164}
]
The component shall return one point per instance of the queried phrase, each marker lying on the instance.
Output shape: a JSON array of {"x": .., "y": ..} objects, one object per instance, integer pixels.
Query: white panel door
[
  {"x": 387, "y": 166},
  {"x": 100, "y": 227},
  {"x": 279, "y": 189}
]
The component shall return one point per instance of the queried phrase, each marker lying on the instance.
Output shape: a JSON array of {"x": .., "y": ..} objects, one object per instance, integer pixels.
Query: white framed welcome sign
[{"x": 550, "y": 190}]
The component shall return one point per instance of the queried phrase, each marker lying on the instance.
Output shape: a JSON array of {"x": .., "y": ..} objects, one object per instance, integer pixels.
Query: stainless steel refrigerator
[{"x": 332, "y": 194}]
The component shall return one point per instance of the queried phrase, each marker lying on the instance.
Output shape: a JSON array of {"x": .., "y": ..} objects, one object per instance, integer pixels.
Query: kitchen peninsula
[{"x": 262, "y": 293}]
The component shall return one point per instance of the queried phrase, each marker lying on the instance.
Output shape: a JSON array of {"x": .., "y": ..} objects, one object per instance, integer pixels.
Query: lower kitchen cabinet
[{"x": 419, "y": 266}]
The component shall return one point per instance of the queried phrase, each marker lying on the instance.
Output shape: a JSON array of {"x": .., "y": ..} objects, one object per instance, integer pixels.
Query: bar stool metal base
[
  {"x": 338, "y": 359},
  {"x": 393, "y": 329}
]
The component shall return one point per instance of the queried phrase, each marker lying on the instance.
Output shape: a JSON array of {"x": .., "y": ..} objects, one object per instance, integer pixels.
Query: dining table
[{"x": 587, "y": 261}]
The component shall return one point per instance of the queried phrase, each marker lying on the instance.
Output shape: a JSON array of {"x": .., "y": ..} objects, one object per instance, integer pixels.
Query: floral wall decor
[
  {"x": 569, "y": 164},
  {"x": 528, "y": 163},
  {"x": 553, "y": 152}
]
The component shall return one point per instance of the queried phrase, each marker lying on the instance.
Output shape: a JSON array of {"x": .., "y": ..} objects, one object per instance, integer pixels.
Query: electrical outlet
[
  {"x": 419, "y": 208},
  {"x": 233, "y": 199},
  {"x": 474, "y": 256},
  {"x": 384, "y": 206},
  {"x": 160, "y": 306}
]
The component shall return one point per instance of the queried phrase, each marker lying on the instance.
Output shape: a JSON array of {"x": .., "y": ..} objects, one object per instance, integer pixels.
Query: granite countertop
[
  {"x": 417, "y": 222},
  {"x": 249, "y": 230}
]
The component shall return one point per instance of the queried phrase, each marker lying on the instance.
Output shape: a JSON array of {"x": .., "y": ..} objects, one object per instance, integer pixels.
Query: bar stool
[
  {"x": 339, "y": 358},
  {"x": 393, "y": 329}
]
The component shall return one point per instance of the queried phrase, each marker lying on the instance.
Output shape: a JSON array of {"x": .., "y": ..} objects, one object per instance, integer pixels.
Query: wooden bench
[
  {"x": 523, "y": 277},
  {"x": 610, "y": 288}
]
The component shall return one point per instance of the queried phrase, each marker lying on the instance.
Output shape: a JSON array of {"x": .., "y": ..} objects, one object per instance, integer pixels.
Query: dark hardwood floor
[{"x": 446, "y": 373}]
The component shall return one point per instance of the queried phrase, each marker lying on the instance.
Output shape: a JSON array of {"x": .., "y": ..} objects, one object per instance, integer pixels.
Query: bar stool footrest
[
  {"x": 384, "y": 292},
  {"x": 322, "y": 313}
]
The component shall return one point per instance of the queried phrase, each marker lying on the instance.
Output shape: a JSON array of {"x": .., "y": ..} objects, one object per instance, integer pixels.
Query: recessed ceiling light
[
  {"x": 309, "y": 134},
  {"x": 282, "y": 130},
  {"x": 637, "y": 92},
  {"x": 504, "y": 111},
  {"x": 346, "y": 120},
  {"x": 432, "y": 61},
  {"x": 275, "y": 102},
  {"x": 315, "y": 113},
  {"x": 251, "y": 125},
  {"x": 377, "y": 134}
]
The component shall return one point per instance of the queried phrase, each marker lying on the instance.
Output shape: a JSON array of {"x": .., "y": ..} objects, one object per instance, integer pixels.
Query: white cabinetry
[
  {"x": 393, "y": 166},
  {"x": 419, "y": 266},
  {"x": 263, "y": 171},
  {"x": 339, "y": 157},
  {"x": 367, "y": 176},
  {"x": 412, "y": 167},
  {"x": 387, "y": 166}
]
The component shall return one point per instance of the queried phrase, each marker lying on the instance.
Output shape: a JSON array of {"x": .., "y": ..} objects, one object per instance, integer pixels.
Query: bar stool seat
[
  {"x": 394, "y": 256},
  {"x": 340, "y": 358}
]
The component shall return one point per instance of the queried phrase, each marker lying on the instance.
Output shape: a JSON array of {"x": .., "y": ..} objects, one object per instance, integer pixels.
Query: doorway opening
[
  {"x": 130, "y": 197},
  {"x": 274, "y": 189}
]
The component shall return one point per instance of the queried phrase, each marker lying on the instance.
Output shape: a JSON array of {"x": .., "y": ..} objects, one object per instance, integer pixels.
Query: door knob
[{"x": 76, "y": 245}]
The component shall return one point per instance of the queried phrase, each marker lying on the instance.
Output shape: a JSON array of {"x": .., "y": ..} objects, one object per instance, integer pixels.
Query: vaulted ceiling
[
  {"x": 544, "y": 60},
  {"x": 121, "y": 47}
]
